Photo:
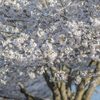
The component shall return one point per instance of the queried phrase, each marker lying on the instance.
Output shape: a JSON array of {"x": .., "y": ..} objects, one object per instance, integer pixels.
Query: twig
[{"x": 63, "y": 16}]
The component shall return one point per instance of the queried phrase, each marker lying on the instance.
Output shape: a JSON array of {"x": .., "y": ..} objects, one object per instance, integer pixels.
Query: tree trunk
[
  {"x": 59, "y": 92},
  {"x": 58, "y": 88},
  {"x": 80, "y": 91},
  {"x": 56, "y": 93}
]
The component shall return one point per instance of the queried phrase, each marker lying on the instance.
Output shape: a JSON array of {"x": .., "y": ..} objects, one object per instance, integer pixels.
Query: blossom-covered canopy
[{"x": 38, "y": 34}]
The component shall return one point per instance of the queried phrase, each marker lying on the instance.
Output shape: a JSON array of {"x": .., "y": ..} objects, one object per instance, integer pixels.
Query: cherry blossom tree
[{"x": 59, "y": 39}]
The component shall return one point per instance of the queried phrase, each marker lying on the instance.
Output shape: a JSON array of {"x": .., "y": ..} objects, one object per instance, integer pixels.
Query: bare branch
[{"x": 28, "y": 96}]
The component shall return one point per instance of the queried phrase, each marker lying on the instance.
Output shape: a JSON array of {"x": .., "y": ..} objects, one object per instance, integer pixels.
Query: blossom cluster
[
  {"x": 59, "y": 76},
  {"x": 35, "y": 34}
]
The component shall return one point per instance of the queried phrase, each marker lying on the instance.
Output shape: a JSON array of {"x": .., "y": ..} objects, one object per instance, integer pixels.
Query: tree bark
[
  {"x": 89, "y": 92},
  {"x": 58, "y": 88},
  {"x": 56, "y": 93},
  {"x": 53, "y": 87},
  {"x": 84, "y": 82},
  {"x": 80, "y": 91},
  {"x": 63, "y": 91}
]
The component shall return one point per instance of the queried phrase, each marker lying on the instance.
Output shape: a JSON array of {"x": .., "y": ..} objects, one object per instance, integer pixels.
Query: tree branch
[
  {"x": 82, "y": 85},
  {"x": 62, "y": 87},
  {"x": 68, "y": 85},
  {"x": 89, "y": 92},
  {"x": 28, "y": 96},
  {"x": 47, "y": 79}
]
